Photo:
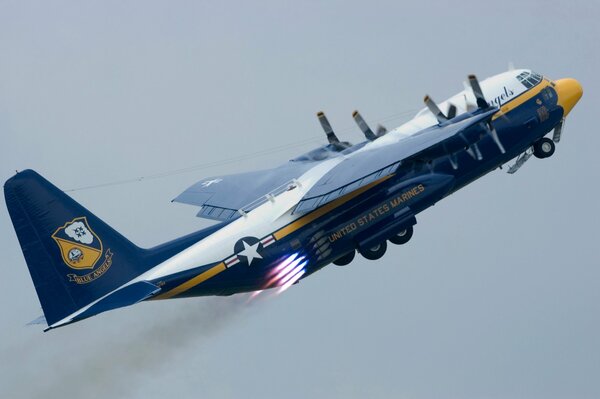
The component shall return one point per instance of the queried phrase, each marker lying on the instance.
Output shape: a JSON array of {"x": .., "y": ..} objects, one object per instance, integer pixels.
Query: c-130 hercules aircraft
[{"x": 280, "y": 225}]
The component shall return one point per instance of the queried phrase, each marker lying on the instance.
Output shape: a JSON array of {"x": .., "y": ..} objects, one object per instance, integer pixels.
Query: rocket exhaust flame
[
  {"x": 283, "y": 272},
  {"x": 284, "y": 275},
  {"x": 288, "y": 268},
  {"x": 283, "y": 264},
  {"x": 291, "y": 281},
  {"x": 291, "y": 274}
]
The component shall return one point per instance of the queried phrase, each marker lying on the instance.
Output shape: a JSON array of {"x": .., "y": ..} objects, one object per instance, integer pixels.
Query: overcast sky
[{"x": 496, "y": 296}]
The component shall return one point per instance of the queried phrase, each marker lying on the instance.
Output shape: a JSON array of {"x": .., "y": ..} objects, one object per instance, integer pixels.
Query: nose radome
[{"x": 569, "y": 92}]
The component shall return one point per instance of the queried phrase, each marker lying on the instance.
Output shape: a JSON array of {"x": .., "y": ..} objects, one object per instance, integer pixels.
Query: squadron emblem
[
  {"x": 81, "y": 249},
  {"x": 79, "y": 245}
]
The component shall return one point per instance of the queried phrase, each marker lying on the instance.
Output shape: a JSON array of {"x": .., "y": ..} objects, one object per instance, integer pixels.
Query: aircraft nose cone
[{"x": 569, "y": 92}]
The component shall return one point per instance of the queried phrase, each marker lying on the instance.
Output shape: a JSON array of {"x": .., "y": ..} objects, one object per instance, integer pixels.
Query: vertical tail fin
[{"x": 74, "y": 258}]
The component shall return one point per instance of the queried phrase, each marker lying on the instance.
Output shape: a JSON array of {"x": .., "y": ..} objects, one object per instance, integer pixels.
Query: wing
[
  {"x": 363, "y": 167},
  {"x": 227, "y": 197},
  {"x": 222, "y": 198}
]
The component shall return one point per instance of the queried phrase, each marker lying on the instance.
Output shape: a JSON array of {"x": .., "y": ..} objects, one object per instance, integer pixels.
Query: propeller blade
[
  {"x": 451, "y": 111},
  {"x": 362, "y": 125},
  {"x": 474, "y": 152},
  {"x": 521, "y": 159},
  {"x": 435, "y": 110},
  {"x": 558, "y": 131},
  {"x": 481, "y": 103},
  {"x": 495, "y": 137},
  {"x": 381, "y": 130},
  {"x": 477, "y": 152},
  {"x": 468, "y": 106},
  {"x": 453, "y": 161},
  {"x": 327, "y": 128}
]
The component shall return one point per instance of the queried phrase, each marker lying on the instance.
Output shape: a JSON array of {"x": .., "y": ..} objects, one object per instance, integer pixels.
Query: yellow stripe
[
  {"x": 303, "y": 221},
  {"x": 213, "y": 271},
  {"x": 528, "y": 95}
]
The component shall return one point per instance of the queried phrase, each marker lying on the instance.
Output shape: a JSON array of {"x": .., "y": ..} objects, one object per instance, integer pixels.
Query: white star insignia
[
  {"x": 250, "y": 252},
  {"x": 208, "y": 183}
]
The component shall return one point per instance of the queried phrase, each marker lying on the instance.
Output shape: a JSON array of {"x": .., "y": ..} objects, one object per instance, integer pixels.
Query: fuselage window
[{"x": 547, "y": 93}]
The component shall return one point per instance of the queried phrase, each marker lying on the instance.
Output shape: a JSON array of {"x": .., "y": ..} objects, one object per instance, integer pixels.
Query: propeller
[
  {"x": 451, "y": 114},
  {"x": 362, "y": 125},
  {"x": 481, "y": 103},
  {"x": 492, "y": 132},
  {"x": 381, "y": 130},
  {"x": 331, "y": 137},
  {"x": 435, "y": 110},
  {"x": 453, "y": 161},
  {"x": 474, "y": 152}
]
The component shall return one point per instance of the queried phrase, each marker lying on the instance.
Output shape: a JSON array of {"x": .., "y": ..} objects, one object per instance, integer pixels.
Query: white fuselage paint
[
  {"x": 273, "y": 215},
  {"x": 498, "y": 90}
]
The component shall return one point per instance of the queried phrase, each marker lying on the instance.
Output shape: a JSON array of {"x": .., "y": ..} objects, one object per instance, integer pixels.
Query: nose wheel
[{"x": 543, "y": 148}]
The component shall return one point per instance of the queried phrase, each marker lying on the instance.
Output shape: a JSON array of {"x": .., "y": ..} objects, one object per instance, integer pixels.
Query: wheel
[
  {"x": 402, "y": 237},
  {"x": 543, "y": 148},
  {"x": 345, "y": 259},
  {"x": 375, "y": 252}
]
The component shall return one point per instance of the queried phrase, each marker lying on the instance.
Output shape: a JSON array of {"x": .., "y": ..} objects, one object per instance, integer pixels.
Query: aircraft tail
[{"x": 74, "y": 258}]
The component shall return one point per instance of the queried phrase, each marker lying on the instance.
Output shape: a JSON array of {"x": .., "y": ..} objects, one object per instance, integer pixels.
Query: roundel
[{"x": 248, "y": 249}]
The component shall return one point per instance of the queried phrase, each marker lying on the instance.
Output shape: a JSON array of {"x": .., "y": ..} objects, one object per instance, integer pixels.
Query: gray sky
[{"x": 496, "y": 296}]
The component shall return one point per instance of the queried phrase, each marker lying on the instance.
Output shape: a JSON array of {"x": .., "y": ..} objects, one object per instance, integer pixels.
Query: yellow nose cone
[{"x": 569, "y": 91}]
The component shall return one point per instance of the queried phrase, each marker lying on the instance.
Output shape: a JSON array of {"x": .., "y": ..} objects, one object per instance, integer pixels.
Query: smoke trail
[{"x": 112, "y": 364}]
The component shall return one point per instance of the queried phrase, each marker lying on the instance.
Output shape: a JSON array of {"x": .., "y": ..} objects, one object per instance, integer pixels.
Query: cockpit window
[{"x": 529, "y": 78}]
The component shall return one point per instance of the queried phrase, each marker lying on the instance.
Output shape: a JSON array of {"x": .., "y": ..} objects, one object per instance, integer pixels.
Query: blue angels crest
[{"x": 79, "y": 246}]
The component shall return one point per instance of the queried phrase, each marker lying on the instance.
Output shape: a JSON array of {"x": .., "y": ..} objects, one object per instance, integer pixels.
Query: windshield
[{"x": 529, "y": 78}]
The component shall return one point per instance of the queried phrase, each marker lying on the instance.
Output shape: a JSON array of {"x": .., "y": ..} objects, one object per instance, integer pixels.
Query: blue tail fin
[{"x": 73, "y": 257}]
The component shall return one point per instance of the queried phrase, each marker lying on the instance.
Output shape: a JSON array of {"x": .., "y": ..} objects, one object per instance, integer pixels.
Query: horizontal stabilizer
[
  {"x": 39, "y": 320},
  {"x": 129, "y": 295}
]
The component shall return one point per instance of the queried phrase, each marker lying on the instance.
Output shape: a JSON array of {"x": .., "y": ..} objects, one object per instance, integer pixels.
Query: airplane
[{"x": 278, "y": 226}]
